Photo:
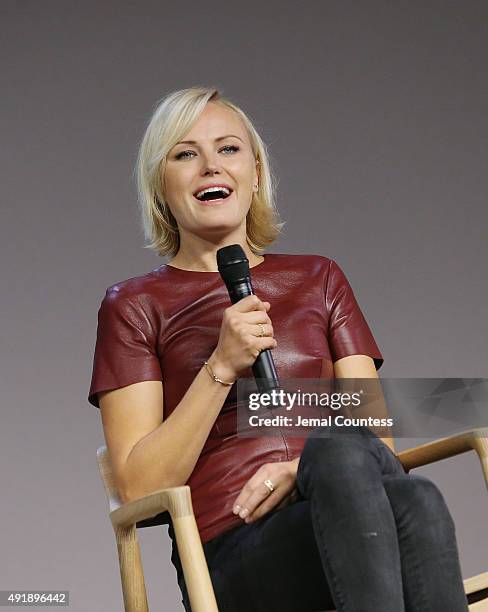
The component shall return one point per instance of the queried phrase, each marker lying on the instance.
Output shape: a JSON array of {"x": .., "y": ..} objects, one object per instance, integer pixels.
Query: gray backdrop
[{"x": 375, "y": 115}]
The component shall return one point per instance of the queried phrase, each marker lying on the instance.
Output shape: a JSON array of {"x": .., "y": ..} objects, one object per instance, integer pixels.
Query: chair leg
[
  {"x": 131, "y": 573},
  {"x": 194, "y": 564}
]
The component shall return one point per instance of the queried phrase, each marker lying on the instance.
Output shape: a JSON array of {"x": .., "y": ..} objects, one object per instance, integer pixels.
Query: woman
[{"x": 287, "y": 524}]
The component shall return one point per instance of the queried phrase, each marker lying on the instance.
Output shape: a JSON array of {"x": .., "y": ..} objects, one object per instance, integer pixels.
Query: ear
[{"x": 257, "y": 173}]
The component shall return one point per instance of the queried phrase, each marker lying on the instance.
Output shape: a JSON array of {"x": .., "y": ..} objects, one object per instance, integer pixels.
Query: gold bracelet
[{"x": 210, "y": 371}]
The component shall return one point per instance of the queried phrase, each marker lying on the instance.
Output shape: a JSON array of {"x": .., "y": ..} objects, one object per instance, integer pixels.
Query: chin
[{"x": 223, "y": 225}]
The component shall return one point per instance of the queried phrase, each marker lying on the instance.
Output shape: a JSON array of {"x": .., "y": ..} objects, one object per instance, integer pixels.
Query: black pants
[{"x": 363, "y": 536}]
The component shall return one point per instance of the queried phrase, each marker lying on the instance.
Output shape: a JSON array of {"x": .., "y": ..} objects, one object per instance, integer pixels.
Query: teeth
[{"x": 209, "y": 189}]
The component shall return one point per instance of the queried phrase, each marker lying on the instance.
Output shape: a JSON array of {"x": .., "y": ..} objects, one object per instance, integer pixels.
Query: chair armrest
[
  {"x": 475, "y": 439},
  {"x": 476, "y": 584},
  {"x": 175, "y": 500}
]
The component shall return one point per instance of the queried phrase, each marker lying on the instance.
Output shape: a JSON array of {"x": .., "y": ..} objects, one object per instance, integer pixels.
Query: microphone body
[{"x": 234, "y": 270}]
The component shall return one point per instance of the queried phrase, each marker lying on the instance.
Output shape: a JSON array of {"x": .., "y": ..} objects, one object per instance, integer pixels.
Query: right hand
[{"x": 239, "y": 342}]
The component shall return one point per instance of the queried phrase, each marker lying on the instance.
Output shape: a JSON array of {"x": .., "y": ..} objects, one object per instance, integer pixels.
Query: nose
[{"x": 210, "y": 164}]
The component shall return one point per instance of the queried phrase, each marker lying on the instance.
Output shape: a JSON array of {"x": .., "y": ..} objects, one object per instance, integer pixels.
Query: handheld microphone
[{"x": 233, "y": 266}]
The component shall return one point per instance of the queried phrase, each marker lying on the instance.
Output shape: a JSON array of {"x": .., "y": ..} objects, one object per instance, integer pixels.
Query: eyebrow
[{"x": 193, "y": 142}]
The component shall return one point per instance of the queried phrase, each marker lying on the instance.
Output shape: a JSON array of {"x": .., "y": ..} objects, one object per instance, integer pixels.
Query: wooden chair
[{"x": 175, "y": 504}]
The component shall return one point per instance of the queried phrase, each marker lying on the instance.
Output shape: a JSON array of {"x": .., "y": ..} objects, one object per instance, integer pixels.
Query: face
[{"x": 219, "y": 153}]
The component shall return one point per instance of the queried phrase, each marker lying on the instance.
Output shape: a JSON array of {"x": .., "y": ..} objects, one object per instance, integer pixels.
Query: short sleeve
[
  {"x": 126, "y": 345},
  {"x": 348, "y": 331}
]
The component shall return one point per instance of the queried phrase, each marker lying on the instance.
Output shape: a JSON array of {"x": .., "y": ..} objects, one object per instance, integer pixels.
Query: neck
[{"x": 207, "y": 261}]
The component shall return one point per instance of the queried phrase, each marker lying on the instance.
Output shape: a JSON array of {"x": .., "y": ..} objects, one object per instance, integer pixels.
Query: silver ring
[{"x": 269, "y": 484}]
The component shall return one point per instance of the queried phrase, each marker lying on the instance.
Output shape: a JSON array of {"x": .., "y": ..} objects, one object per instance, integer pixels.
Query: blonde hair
[{"x": 171, "y": 120}]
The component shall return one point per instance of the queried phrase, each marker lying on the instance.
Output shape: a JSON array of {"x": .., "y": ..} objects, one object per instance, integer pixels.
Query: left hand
[{"x": 255, "y": 499}]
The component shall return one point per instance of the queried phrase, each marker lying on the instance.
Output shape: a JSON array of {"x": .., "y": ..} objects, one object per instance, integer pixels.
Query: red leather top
[{"x": 164, "y": 324}]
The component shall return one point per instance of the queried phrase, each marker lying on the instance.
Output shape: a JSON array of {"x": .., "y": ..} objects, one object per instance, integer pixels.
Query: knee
[
  {"x": 332, "y": 440},
  {"x": 420, "y": 499},
  {"x": 332, "y": 447}
]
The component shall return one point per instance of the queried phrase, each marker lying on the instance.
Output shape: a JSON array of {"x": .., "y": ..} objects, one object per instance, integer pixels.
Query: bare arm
[
  {"x": 150, "y": 453},
  {"x": 362, "y": 366}
]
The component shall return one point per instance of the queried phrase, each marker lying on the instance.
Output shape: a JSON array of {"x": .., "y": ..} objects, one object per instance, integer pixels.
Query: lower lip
[{"x": 214, "y": 202}]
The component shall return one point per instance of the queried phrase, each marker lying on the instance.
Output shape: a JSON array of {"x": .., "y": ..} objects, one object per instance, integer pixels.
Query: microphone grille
[{"x": 232, "y": 263}]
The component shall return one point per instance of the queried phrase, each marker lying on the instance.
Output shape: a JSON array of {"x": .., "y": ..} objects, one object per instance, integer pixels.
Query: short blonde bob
[{"x": 172, "y": 119}]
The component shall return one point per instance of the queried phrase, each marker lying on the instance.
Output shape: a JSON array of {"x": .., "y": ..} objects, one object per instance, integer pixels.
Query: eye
[
  {"x": 184, "y": 154},
  {"x": 232, "y": 147}
]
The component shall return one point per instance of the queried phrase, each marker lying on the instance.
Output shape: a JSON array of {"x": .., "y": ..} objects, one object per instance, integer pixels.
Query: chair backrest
[{"x": 106, "y": 473}]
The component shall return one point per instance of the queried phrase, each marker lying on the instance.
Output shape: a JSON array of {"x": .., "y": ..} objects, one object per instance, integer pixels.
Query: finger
[
  {"x": 263, "y": 344},
  {"x": 244, "y": 495},
  {"x": 288, "y": 499},
  {"x": 275, "y": 500},
  {"x": 250, "y": 302},
  {"x": 266, "y": 342},
  {"x": 284, "y": 502},
  {"x": 261, "y": 330},
  {"x": 257, "y": 497},
  {"x": 256, "y": 316},
  {"x": 278, "y": 499},
  {"x": 254, "y": 483},
  {"x": 275, "y": 471}
]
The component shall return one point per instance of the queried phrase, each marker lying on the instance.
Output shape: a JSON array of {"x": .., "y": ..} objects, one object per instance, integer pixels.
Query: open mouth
[{"x": 214, "y": 195}]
